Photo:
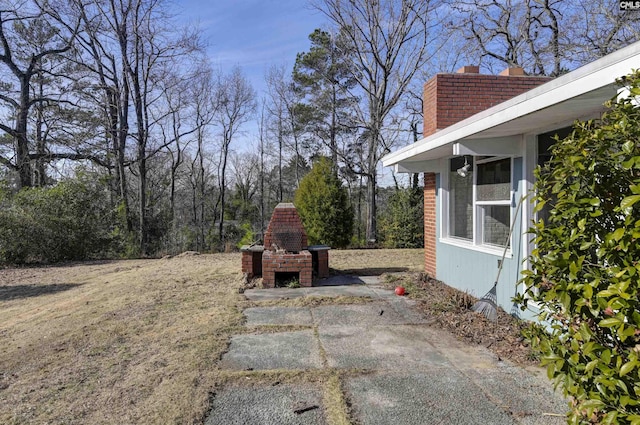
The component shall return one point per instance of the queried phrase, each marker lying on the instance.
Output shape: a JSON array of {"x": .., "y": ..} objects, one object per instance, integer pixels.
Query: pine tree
[
  {"x": 323, "y": 205},
  {"x": 323, "y": 77}
]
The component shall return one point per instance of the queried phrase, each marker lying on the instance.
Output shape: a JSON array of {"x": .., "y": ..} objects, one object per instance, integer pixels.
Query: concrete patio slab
[
  {"x": 316, "y": 291},
  {"x": 462, "y": 356},
  {"x": 270, "y": 405},
  {"x": 278, "y": 316},
  {"x": 380, "y": 347},
  {"x": 440, "y": 396},
  {"x": 375, "y": 313},
  {"x": 413, "y": 373},
  {"x": 530, "y": 400},
  {"x": 282, "y": 350},
  {"x": 346, "y": 291},
  {"x": 340, "y": 280},
  {"x": 370, "y": 280},
  {"x": 274, "y": 294}
]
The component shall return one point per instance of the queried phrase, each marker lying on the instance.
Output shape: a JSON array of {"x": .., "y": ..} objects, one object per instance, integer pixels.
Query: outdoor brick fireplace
[{"x": 285, "y": 252}]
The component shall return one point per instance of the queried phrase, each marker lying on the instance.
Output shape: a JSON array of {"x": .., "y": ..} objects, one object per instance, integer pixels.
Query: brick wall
[
  {"x": 285, "y": 219},
  {"x": 285, "y": 247},
  {"x": 273, "y": 263},
  {"x": 430, "y": 230},
  {"x": 251, "y": 262},
  {"x": 450, "y": 98}
]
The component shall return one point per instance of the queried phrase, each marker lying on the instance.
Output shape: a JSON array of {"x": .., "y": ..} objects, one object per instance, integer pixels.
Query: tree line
[{"x": 117, "y": 101}]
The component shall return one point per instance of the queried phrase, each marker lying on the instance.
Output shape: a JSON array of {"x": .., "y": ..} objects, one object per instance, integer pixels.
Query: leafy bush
[
  {"x": 248, "y": 236},
  {"x": 585, "y": 270},
  {"x": 402, "y": 222},
  {"x": 323, "y": 205},
  {"x": 70, "y": 221}
]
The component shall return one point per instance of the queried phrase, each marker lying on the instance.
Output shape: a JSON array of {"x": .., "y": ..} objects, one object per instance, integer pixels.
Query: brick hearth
[
  {"x": 285, "y": 245},
  {"x": 285, "y": 250}
]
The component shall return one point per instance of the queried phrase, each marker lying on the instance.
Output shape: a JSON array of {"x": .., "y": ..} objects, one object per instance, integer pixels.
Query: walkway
[{"x": 401, "y": 369}]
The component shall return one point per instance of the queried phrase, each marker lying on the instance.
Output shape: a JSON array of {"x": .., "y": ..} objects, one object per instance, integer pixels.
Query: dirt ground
[
  {"x": 138, "y": 341},
  {"x": 451, "y": 310}
]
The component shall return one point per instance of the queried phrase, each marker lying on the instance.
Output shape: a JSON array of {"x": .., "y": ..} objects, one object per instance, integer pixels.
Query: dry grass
[
  {"x": 335, "y": 403},
  {"x": 117, "y": 342},
  {"x": 138, "y": 341},
  {"x": 374, "y": 262},
  {"x": 311, "y": 301}
]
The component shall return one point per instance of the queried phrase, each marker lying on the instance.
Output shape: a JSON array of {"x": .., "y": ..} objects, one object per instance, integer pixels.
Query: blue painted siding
[{"x": 474, "y": 271}]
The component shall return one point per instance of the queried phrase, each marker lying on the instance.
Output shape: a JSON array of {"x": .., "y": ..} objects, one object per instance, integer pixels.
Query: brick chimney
[{"x": 450, "y": 98}]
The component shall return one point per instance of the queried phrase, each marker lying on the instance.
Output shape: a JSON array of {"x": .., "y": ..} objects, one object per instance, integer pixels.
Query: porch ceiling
[{"x": 579, "y": 94}]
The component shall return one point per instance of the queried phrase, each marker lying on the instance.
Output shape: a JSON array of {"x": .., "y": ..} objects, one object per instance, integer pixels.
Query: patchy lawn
[
  {"x": 138, "y": 341},
  {"x": 115, "y": 342}
]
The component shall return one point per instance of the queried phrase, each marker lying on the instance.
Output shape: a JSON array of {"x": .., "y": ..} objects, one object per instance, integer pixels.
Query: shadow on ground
[
  {"x": 27, "y": 291},
  {"x": 370, "y": 271}
]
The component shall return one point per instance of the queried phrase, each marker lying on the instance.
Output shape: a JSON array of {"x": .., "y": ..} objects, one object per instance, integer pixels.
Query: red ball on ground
[{"x": 399, "y": 290}]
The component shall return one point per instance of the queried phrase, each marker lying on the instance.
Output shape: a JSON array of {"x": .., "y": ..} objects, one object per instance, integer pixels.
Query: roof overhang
[{"x": 579, "y": 94}]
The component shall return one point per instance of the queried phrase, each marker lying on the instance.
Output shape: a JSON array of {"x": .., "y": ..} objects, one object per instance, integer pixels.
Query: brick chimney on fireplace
[{"x": 450, "y": 98}]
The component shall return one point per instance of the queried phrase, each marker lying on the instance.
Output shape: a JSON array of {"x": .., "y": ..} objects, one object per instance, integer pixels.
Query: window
[
  {"x": 479, "y": 200},
  {"x": 461, "y": 198},
  {"x": 545, "y": 142},
  {"x": 493, "y": 198}
]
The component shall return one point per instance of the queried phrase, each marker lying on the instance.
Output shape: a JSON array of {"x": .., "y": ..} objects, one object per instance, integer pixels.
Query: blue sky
[{"x": 253, "y": 34}]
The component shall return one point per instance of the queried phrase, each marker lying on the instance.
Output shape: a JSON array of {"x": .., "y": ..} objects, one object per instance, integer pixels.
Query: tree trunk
[
  {"x": 40, "y": 178},
  {"x": 142, "y": 207},
  {"x": 280, "y": 186},
  {"x": 262, "y": 212},
  {"x": 201, "y": 187},
  {"x": 225, "y": 153},
  {"x": 372, "y": 223},
  {"x": 22, "y": 143}
]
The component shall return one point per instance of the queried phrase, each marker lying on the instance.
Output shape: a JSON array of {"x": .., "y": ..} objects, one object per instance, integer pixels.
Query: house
[{"x": 483, "y": 137}]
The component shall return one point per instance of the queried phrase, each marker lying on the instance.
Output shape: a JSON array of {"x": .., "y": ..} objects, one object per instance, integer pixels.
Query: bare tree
[
  {"x": 183, "y": 118},
  {"x": 109, "y": 92},
  {"x": 389, "y": 41},
  {"x": 285, "y": 109},
  {"x": 600, "y": 27},
  {"x": 262, "y": 144},
  {"x": 513, "y": 32},
  {"x": 246, "y": 175},
  {"x": 30, "y": 51},
  {"x": 206, "y": 105},
  {"x": 545, "y": 37},
  {"x": 236, "y": 100},
  {"x": 276, "y": 109},
  {"x": 134, "y": 53}
]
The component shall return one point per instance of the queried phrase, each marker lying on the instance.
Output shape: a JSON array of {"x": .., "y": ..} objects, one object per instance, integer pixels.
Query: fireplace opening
[{"x": 287, "y": 279}]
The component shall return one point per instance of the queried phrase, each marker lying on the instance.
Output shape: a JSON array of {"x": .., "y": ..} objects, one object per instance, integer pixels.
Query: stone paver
[
  {"x": 440, "y": 396},
  {"x": 411, "y": 373},
  {"x": 281, "y": 350},
  {"x": 270, "y": 405},
  {"x": 378, "y": 313},
  {"x": 380, "y": 347},
  {"x": 278, "y": 316}
]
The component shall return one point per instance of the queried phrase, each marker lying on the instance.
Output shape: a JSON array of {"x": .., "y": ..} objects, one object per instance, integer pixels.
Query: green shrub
[
  {"x": 70, "y": 221},
  {"x": 248, "y": 236},
  {"x": 585, "y": 269},
  {"x": 402, "y": 222},
  {"x": 323, "y": 205}
]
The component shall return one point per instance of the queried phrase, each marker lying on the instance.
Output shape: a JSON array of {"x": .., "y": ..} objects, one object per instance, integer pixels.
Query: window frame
[{"x": 476, "y": 243}]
